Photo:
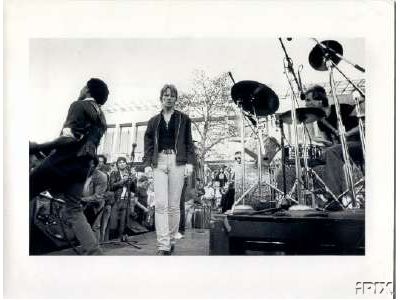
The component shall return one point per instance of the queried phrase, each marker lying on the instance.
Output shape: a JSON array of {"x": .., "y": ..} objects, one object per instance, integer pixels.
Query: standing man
[
  {"x": 93, "y": 198},
  {"x": 169, "y": 154},
  {"x": 66, "y": 168}
]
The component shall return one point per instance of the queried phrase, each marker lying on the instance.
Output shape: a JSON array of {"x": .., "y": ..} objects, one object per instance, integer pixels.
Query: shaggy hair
[
  {"x": 103, "y": 157},
  {"x": 172, "y": 88},
  {"x": 319, "y": 94},
  {"x": 121, "y": 158}
]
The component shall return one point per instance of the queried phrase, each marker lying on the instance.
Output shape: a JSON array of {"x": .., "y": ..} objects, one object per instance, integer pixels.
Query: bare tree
[{"x": 209, "y": 104}]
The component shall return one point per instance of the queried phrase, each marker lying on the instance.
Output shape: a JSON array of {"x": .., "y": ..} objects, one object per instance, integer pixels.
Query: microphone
[
  {"x": 302, "y": 94},
  {"x": 230, "y": 75}
]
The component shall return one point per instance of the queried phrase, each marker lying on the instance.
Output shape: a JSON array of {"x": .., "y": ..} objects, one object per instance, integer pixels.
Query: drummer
[{"x": 328, "y": 127}]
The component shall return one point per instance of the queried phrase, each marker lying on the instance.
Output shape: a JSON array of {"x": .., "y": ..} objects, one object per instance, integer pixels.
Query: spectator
[
  {"x": 122, "y": 183},
  {"x": 93, "y": 197},
  {"x": 102, "y": 166}
]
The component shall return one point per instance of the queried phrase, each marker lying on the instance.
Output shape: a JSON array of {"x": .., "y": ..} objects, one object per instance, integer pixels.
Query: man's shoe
[
  {"x": 179, "y": 236},
  {"x": 163, "y": 252}
]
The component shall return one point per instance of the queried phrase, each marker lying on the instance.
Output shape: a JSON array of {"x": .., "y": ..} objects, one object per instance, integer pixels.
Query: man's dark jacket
[{"x": 184, "y": 148}]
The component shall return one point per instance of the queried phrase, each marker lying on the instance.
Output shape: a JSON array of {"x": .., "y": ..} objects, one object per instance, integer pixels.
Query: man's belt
[{"x": 167, "y": 151}]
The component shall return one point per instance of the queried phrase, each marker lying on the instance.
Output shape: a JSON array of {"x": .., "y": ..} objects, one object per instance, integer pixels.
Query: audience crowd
[{"x": 118, "y": 199}]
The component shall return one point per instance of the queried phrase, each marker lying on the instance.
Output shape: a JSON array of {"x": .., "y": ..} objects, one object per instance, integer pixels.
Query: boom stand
[
  {"x": 298, "y": 182},
  {"x": 345, "y": 150}
]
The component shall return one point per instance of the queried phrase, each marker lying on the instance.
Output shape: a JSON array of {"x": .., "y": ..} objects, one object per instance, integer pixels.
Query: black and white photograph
[
  {"x": 228, "y": 157},
  {"x": 254, "y": 152}
]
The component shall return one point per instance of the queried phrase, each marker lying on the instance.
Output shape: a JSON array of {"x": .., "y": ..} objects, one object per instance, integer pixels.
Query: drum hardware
[
  {"x": 323, "y": 57},
  {"x": 260, "y": 101},
  {"x": 358, "y": 187},
  {"x": 283, "y": 155},
  {"x": 361, "y": 117},
  {"x": 335, "y": 51},
  {"x": 255, "y": 185},
  {"x": 309, "y": 155},
  {"x": 315, "y": 176},
  {"x": 288, "y": 68},
  {"x": 239, "y": 103},
  {"x": 255, "y": 98},
  {"x": 313, "y": 153},
  {"x": 308, "y": 184},
  {"x": 304, "y": 115}
]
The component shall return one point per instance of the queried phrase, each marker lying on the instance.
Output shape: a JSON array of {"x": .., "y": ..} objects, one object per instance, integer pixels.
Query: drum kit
[{"x": 256, "y": 101}]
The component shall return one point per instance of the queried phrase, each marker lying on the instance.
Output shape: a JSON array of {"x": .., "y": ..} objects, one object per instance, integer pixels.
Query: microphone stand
[
  {"x": 359, "y": 68},
  {"x": 289, "y": 67},
  {"x": 325, "y": 48}
]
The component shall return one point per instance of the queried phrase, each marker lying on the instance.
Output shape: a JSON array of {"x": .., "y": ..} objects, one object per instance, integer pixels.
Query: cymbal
[
  {"x": 255, "y": 98},
  {"x": 304, "y": 115},
  {"x": 317, "y": 57}
]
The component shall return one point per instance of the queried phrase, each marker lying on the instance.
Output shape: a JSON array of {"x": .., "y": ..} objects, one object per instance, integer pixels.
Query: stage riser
[{"x": 301, "y": 232}]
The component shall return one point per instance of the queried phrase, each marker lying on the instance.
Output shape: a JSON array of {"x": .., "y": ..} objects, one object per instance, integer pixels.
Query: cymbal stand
[
  {"x": 358, "y": 186},
  {"x": 298, "y": 181},
  {"x": 283, "y": 155},
  {"x": 308, "y": 184},
  {"x": 342, "y": 133},
  {"x": 358, "y": 110},
  {"x": 360, "y": 123},
  {"x": 315, "y": 176},
  {"x": 243, "y": 163},
  {"x": 242, "y": 133},
  {"x": 356, "y": 99},
  {"x": 258, "y": 184},
  {"x": 288, "y": 68},
  {"x": 260, "y": 151}
]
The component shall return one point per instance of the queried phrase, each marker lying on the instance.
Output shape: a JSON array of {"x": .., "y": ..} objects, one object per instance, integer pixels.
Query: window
[
  {"x": 108, "y": 141},
  {"x": 124, "y": 139},
  {"x": 141, "y": 129}
]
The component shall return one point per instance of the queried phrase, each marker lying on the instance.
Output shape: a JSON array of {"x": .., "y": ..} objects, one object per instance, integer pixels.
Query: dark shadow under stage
[
  {"x": 281, "y": 233},
  {"x": 307, "y": 232}
]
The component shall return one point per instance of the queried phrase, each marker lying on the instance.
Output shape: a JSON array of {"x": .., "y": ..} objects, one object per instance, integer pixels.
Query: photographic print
[
  {"x": 249, "y": 143},
  {"x": 260, "y": 183}
]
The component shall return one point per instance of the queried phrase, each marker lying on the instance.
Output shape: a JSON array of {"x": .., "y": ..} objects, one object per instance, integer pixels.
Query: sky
[{"x": 136, "y": 69}]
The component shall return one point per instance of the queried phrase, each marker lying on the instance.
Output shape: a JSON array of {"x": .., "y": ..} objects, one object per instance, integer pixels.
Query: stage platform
[
  {"x": 279, "y": 233},
  {"x": 195, "y": 243},
  {"x": 307, "y": 232}
]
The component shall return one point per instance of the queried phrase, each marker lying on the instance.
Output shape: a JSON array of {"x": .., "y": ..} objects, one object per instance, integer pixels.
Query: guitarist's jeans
[
  {"x": 168, "y": 184},
  {"x": 334, "y": 170},
  {"x": 67, "y": 175}
]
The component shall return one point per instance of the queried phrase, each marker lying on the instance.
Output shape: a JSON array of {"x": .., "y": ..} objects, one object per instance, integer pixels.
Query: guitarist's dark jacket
[{"x": 70, "y": 160}]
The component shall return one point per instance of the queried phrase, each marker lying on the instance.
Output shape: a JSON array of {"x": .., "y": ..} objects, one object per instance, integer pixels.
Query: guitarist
[{"x": 67, "y": 166}]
